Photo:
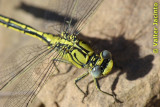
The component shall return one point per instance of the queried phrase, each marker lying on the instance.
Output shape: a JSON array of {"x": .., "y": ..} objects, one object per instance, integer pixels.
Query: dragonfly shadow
[
  {"x": 41, "y": 105},
  {"x": 125, "y": 55},
  {"x": 44, "y": 13}
]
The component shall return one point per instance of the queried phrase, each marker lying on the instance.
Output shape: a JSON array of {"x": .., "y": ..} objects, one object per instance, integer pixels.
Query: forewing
[
  {"x": 70, "y": 15},
  {"x": 32, "y": 67}
]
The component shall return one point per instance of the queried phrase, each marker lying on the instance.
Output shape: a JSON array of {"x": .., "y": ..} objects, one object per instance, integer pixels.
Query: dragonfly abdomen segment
[{"x": 20, "y": 27}]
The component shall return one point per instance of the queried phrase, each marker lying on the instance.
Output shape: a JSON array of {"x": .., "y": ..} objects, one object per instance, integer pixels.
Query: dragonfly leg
[
  {"x": 78, "y": 79},
  {"x": 60, "y": 60},
  {"x": 113, "y": 94}
]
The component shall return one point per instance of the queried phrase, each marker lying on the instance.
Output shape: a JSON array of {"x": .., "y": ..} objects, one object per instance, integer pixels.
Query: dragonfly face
[{"x": 103, "y": 66}]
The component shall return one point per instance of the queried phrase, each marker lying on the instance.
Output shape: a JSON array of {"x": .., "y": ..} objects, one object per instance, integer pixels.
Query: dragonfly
[{"x": 31, "y": 66}]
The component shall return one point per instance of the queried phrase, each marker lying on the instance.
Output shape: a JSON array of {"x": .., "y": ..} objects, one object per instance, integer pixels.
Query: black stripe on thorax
[{"x": 93, "y": 56}]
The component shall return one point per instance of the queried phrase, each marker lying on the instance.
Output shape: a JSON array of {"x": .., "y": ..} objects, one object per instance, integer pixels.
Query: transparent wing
[
  {"x": 28, "y": 71},
  {"x": 70, "y": 15}
]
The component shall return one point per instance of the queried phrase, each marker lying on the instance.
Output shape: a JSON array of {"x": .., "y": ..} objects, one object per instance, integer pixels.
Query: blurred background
[{"x": 123, "y": 27}]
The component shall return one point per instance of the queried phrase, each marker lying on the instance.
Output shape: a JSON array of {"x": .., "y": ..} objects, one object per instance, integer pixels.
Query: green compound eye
[
  {"x": 106, "y": 54},
  {"x": 96, "y": 72}
]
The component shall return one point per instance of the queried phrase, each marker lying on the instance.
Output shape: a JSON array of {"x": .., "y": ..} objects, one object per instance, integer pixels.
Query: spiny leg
[
  {"x": 80, "y": 78},
  {"x": 98, "y": 87},
  {"x": 64, "y": 61}
]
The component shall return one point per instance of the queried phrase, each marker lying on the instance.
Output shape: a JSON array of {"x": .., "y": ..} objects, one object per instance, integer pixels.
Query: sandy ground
[{"x": 123, "y": 27}]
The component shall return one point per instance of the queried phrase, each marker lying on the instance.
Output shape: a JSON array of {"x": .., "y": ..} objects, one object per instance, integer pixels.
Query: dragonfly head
[{"x": 103, "y": 66}]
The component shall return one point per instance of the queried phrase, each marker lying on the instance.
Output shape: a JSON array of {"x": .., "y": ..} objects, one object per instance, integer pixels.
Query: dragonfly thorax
[{"x": 82, "y": 56}]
